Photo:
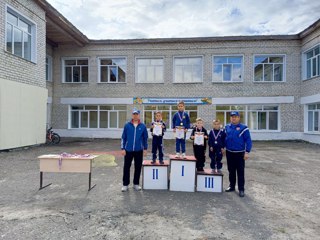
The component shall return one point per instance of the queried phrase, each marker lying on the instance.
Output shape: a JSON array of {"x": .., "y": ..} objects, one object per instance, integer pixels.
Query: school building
[{"x": 52, "y": 75}]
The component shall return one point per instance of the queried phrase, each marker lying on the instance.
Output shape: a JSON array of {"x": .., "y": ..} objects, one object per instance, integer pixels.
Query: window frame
[
  {"x": 63, "y": 69},
  {"x": 33, "y": 34},
  {"x": 172, "y": 110},
  {"x": 245, "y": 112},
  {"x": 148, "y": 58},
  {"x": 49, "y": 66},
  {"x": 112, "y": 57},
  {"x": 187, "y": 57},
  {"x": 305, "y": 63},
  {"x": 313, "y": 111},
  {"x": 227, "y": 55},
  {"x": 273, "y": 76},
  {"x": 98, "y": 110}
]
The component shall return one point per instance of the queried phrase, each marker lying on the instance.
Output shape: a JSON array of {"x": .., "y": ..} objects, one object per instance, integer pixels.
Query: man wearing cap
[
  {"x": 238, "y": 147},
  {"x": 134, "y": 144}
]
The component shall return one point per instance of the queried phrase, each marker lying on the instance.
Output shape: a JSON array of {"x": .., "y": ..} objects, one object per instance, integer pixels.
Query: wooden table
[{"x": 66, "y": 163}]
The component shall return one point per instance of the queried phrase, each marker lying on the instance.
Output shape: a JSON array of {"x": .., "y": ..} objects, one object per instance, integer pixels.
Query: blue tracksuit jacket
[
  {"x": 238, "y": 138},
  {"x": 134, "y": 138}
]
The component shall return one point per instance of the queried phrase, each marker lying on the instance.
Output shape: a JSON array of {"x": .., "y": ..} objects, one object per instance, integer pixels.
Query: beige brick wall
[
  {"x": 310, "y": 86},
  {"x": 291, "y": 87},
  {"x": 13, "y": 67}
]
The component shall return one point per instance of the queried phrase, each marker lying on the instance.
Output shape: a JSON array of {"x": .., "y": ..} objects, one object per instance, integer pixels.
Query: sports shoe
[
  {"x": 136, "y": 187},
  {"x": 184, "y": 155},
  {"x": 241, "y": 193},
  {"x": 230, "y": 189},
  {"x": 124, "y": 188},
  {"x": 153, "y": 161},
  {"x": 161, "y": 162},
  {"x": 177, "y": 155}
]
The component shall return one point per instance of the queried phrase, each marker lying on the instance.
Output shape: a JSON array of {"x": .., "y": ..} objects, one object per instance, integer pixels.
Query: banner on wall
[{"x": 172, "y": 101}]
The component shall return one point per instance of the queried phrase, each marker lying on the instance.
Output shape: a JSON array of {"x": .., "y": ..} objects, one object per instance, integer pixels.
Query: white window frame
[
  {"x": 188, "y": 57},
  {"x": 221, "y": 80},
  {"x": 33, "y": 34},
  {"x": 305, "y": 60},
  {"x": 270, "y": 55},
  {"x": 154, "y": 72},
  {"x": 313, "y": 116},
  {"x": 171, "y": 113},
  {"x": 63, "y": 68},
  {"x": 49, "y": 68},
  {"x": 98, "y": 110},
  {"x": 246, "y": 111},
  {"x": 112, "y": 57}
]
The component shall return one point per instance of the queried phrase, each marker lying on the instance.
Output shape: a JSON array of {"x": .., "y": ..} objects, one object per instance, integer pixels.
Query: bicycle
[{"x": 52, "y": 137}]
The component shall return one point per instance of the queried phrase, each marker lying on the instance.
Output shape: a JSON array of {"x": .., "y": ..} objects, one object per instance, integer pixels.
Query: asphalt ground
[{"x": 281, "y": 202}]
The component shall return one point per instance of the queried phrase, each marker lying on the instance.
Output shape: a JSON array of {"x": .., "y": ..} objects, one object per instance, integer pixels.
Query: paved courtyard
[{"x": 281, "y": 202}]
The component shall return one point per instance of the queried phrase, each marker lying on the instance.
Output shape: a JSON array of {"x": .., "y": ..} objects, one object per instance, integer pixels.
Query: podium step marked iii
[
  {"x": 182, "y": 173},
  {"x": 155, "y": 176},
  {"x": 209, "y": 182}
]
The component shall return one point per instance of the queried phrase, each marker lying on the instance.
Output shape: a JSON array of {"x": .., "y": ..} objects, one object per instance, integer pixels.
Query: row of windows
[
  {"x": 257, "y": 117},
  {"x": 186, "y": 69}
]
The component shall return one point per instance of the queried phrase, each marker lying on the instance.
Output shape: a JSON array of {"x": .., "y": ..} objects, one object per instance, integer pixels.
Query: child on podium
[
  {"x": 199, "y": 135},
  {"x": 158, "y": 127},
  {"x": 216, "y": 146},
  {"x": 180, "y": 125}
]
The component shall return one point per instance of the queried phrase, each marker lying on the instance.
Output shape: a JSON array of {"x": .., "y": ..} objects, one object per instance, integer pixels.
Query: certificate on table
[
  {"x": 180, "y": 133},
  {"x": 198, "y": 138},
  {"x": 157, "y": 129}
]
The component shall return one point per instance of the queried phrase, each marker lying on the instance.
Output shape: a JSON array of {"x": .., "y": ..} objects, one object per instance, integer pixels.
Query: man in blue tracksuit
[
  {"x": 238, "y": 146},
  {"x": 134, "y": 144}
]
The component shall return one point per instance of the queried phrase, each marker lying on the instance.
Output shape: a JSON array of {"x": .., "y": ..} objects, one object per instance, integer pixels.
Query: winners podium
[
  {"x": 179, "y": 174},
  {"x": 182, "y": 173}
]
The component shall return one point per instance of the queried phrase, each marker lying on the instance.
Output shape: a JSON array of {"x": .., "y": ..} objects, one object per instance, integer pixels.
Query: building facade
[{"x": 273, "y": 81}]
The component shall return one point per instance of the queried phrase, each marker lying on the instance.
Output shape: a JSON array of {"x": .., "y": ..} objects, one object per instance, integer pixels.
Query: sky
[{"x": 136, "y": 19}]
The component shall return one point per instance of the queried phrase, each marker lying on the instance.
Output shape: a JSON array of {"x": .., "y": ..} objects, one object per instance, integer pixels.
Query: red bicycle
[{"x": 52, "y": 137}]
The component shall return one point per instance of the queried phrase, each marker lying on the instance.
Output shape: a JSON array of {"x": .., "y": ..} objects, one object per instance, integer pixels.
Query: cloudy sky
[{"x": 130, "y": 19}]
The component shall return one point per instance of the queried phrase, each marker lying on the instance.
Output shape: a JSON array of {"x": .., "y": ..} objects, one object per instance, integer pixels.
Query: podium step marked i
[
  {"x": 182, "y": 173},
  {"x": 209, "y": 182},
  {"x": 155, "y": 176}
]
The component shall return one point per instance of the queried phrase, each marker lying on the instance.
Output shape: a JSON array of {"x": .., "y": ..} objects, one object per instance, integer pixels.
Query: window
[
  {"x": 313, "y": 117},
  {"x": 75, "y": 70},
  {"x": 187, "y": 69},
  {"x": 257, "y": 117},
  {"x": 149, "y": 70},
  {"x": 269, "y": 68},
  {"x": 20, "y": 35},
  {"x": 48, "y": 68},
  {"x": 113, "y": 70},
  {"x": 98, "y": 116},
  {"x": 167, "y": 113},
  {"x": 223, "y": 113},
  {"x": 313, "y": 62},
  {"x": 227, "y": 68},
  {"x": 263, "y": 117}
]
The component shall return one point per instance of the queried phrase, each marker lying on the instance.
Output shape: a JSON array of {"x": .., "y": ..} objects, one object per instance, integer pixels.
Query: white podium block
[
  {"x": 209, "y": 182},
  {"x": 182, "y": 174},
  {"x": 155, "y": 176}
]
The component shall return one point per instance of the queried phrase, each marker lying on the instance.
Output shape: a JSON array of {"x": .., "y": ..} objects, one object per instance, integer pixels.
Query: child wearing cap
[
  {"x": 216, "y": 146},
  {"x": 181, "y": 122},
  {"x": 199, "y": 135},
  {"x": 158, "y": 127}
]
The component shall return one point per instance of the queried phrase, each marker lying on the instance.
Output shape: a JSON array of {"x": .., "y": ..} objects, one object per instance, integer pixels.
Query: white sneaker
[
  {"x": 184, "y": 155},
  {"x": 136, "y": 187},
  {"x": 124, "y": 188},
  {"x": 177, "y": 155}
]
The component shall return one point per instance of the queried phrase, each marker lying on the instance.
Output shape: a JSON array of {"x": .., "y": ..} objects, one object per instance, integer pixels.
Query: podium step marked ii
[
  {"x": 155, "y": 176},
  {"x": 182, "y": 173},
  {"x": 209, "y": 182}
]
